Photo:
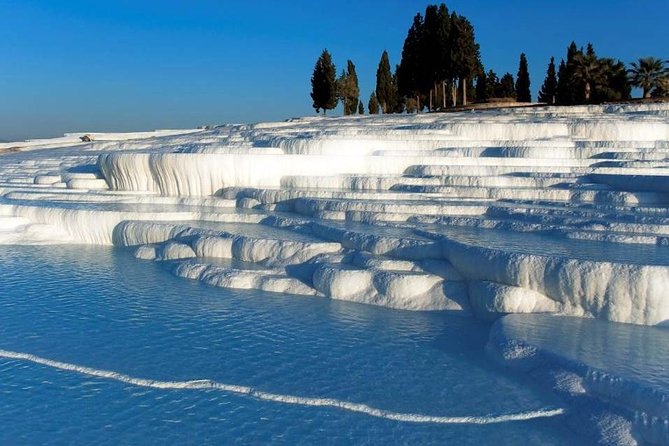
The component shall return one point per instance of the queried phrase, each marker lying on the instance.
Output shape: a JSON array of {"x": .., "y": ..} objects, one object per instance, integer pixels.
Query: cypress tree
[
  {"x": 373, "y": 105},
  {"x": 481, "y": 88},
  {"x": 548, "y": 93},
  {"x": 455, "y": 55},
  {"x": 341, "y": 87},
  {"x": 396, "y": 100},
  {"x": 465, "y": 53},
  {"x": 569, "y": 91},
  {"x": 384, "y": 84},
  {"x": 348, "y": 90},
  {"x": 354, "y": 89},
  {"x": 430, "y": 48},
  {"x": 523, "y": 81},
  {"x": 444, "y": 62},
  {"x": 408, "y": 81},
  {"x": 507, "y": 88},
  {"x": 324, "y": 84},
  {"x": 563, "y": 95},
  {"x": 492, "y": 84},
  {"x": 361, "y": 108}
]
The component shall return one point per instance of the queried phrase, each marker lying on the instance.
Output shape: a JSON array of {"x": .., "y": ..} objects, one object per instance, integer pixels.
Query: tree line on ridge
[{"x": 440, "y": 68}]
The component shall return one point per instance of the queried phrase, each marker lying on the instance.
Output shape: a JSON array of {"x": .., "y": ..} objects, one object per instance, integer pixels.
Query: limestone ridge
[{"x": 546, "y": 209}]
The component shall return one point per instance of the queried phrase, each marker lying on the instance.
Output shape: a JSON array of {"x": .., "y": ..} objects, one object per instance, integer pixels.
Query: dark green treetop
[
  {"x": 324, "y": 84},
  {"x": 384, "y": 84},
  {"x": 373, "y": 105},
  {"x": 549, "y": 88},
  {"x": 523, "y": 81}
]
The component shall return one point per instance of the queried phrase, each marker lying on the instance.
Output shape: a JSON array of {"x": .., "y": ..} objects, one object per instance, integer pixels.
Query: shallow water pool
[{"x": 99, "y": 308}]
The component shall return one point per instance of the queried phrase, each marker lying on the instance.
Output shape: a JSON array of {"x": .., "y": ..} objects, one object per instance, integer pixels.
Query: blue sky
[{"x": 132, "y": 65}]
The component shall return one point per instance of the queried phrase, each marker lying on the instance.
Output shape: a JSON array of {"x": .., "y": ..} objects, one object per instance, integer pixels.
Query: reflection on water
[
  {"x": 638, "y": 352},
  {"x": 100, "y": 308}
]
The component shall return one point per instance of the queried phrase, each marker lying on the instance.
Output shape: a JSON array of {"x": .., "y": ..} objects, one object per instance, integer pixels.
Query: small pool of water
[
  {"x": 636, "y": 352},
  {"x": 100, "y": 308},
  {"x": 548, "y": 245}
]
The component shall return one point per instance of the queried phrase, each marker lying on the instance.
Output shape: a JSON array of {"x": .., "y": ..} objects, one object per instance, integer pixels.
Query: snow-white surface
[{"x": 561, "y": 210}]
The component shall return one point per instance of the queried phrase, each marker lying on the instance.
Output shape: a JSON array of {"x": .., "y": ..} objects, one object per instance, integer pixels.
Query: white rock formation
[{"x": 561, "y": 210}]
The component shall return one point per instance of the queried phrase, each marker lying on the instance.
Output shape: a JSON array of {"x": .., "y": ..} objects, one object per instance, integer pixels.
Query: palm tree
[
  {"x": 647, "y": 73},
  {"x": 662, "y": 89},
  {"x": 589, "y": 71}
]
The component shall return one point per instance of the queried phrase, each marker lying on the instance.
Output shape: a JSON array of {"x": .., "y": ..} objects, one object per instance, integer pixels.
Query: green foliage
[
  {"x": 662, "y": 89},
  {"x": 568, "y": 93},
  {"x": 588, "y": 72},
  {"x": 396, "y": 101},
  {"x": 385, "y": 87},
  {"x": 523, "y": 81},
  {"x": 492, "y": 84},
  {"x": 361, "y": 108},
  {"x": 648, "y": 73},
  {"x": 347, "y": 89},
  {"x": 586, "y": 78},
  {"x": 373, "y": 105},
  {"x": 409, "y": 81},
  {"x": 506, "y": 87},
  {"x": 614, "y": 85},
  {"x": 548, "y": 93},
  {"x": 324, "y": 84},
  {"x": 438, "y": 48},
  {"x": 481, "y": 88}
]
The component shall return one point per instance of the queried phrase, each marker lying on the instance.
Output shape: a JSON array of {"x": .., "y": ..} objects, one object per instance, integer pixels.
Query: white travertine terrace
[{"x": 526, "y": 210}]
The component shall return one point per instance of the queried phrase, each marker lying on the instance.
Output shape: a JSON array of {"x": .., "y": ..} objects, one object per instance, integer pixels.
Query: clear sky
[{"x": 102, "y": 65}]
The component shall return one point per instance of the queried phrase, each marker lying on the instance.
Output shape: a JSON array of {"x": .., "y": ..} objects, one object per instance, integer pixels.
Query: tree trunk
[
  {"x": 646, "y": 92},
  {"x": 464, "y": 90},
  {"x": 443, "y": 93},
  {"x": 417, "y": 103},
  {"x": 454, "y": 93},
  {"x": 430, "y": 109},
  {"x": 587, "y": 92}
]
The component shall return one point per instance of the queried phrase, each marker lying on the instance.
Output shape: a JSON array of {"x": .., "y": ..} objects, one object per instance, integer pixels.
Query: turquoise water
[{"x": 102, "y": 309}]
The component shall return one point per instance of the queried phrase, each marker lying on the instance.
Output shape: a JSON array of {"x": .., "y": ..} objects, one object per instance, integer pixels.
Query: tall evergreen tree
[
  {"x": 523, "y": 81},
  {"x": 348, "y": 90},
  {"x": 341, "y": 87},
  {"x": 373, "y": 105},
  {"x": 570, "y": 90},
  {"x": 444, "y": 61},
  {"x": 507, "y": 87},
  {"x": 409, "y": 83},
  {"x": 361, "y": 108},
  {"x": 563, "y": 94},
  {"x": 384, "y": 84},
  {"x": 324, "y": 84},
  {"x": 492, "y": 84},
  {"x": 431, "y": 50},
  {"x": 548, "y": 93},
  {"x": 481, "y": 88},
  {"x": 397, "y": 102},
  {"x": 465, "y": 53}
]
